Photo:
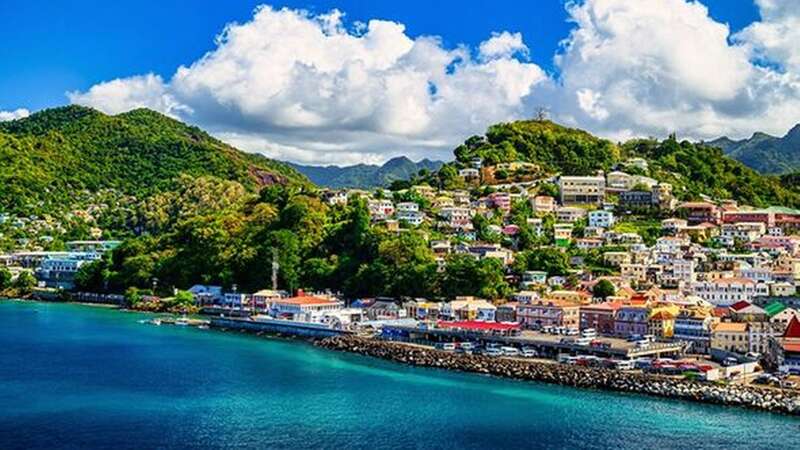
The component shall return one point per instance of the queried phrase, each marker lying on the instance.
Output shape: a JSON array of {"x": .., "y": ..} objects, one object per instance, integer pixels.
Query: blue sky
[
  {"x": 294, "y": 81},
  {"x": 51, "y": 47}
]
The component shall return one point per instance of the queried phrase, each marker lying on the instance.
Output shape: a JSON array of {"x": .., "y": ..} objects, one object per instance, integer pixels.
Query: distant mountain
[
  {"x": 366, "y": 175},
  {"x": 765, "y": 153},
  {"x": 48, "y": 156}
]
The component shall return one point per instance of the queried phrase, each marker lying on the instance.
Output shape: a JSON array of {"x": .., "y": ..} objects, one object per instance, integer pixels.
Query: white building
[
  {"x": 601, "y": 219},
  {"x": 727, "y": 291}
]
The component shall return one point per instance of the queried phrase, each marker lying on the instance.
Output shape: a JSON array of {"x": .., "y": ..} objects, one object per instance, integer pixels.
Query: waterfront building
[
  {"x": 631, "y": 321},
  {"x": 549, "y": 312},
  {"x": 693, "y": 326},
  {"x": 468, "y": 309},
  {"x": 731, "y": 337},
  {"x": 600, "y": 316},
  {"x": 661, "y": 324},
  {"x": 303, "y": 308}
]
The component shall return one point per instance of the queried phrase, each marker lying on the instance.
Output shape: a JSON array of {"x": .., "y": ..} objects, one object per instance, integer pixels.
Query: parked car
[
  {"x": 626, "y": 364},
  {"x": 493, "y": 352},
  {"x": 528, "y": 352},
  {"x": 510, "y": 351},
  {"x": 446, "y": 346},
  {"x": 467, "y": 346}
]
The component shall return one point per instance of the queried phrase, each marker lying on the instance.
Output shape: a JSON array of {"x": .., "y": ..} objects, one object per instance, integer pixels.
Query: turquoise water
[{"x": 81, "y": 377}]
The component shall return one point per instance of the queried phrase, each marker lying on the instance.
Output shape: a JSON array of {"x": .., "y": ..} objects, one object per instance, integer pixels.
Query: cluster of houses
[
  {"x": 719, "y": 277},
  {"x": 56, "y": 269}
]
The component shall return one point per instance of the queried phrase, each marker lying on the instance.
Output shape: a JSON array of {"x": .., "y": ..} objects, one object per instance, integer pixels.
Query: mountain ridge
[
  {"x": 763, "y": 152},
  {"x": 365, "y": 175}
]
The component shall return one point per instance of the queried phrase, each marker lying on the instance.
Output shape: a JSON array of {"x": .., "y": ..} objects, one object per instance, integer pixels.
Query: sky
[{"x": 343, "y": 82}]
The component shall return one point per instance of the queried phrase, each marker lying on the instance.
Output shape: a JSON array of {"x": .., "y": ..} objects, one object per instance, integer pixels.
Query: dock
[{"x": 277, "y": 326}]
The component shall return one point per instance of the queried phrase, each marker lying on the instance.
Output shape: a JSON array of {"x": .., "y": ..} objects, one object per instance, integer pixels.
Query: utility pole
[{"x": 275, "y": 267}]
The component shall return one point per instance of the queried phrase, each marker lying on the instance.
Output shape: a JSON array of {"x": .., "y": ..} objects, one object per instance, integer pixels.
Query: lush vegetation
[
  {"x": 215, "y": 231},
  {"x": 48, "y": 157},
  {"x": 553, "y": 147}
]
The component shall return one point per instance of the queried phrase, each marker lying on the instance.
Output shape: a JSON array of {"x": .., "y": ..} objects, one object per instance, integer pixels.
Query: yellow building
[
  {"x": 661, "y": 324},
  {"x": 730, "y": 336}
]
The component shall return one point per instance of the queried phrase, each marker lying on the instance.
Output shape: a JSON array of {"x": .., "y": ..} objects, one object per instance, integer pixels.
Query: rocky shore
[{"x": 756, "y": 397}]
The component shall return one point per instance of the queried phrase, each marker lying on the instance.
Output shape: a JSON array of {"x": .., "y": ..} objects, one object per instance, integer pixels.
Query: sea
[{"x": 83, "y": 377}]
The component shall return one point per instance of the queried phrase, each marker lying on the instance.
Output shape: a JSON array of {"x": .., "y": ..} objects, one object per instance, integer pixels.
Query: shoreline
[{"x": 746, "y": 396}]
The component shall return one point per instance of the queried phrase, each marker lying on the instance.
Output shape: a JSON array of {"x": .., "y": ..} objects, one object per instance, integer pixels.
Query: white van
[
  {"x": 583, "y": 341},
  {"x": 589, "y": 333},
  {"x": 510, "y": 351},
  {"x": 493, "y": 352}
]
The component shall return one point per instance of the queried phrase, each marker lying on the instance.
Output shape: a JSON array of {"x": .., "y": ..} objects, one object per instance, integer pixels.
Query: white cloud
[
  {"x": 503, "y": 45},
  {"x": 662, "y": 66},
  {"x": 124, "y": 94},
  {"x": 13, "y": 115},
  {"x": 308, "y": 88},
  {"x": 290, "y": 84}
]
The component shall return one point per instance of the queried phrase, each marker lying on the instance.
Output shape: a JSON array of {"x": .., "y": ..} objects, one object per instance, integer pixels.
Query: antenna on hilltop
[{"x": 541, "y": 114}]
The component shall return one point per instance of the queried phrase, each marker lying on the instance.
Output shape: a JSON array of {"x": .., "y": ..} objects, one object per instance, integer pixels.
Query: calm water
[{"x": 81, "y": 377}]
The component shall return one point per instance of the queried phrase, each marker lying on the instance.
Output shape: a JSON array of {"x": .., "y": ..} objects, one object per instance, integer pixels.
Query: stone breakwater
[{"x": 775, "y": 400}]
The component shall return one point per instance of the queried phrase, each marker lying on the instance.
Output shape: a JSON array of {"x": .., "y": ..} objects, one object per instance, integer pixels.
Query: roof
[
  {"x": 476, "y": 325},
  {"x": 791, "y": 347},
  {"x": 662, "y": 315},
  {"x": 734, "y": 327},
  {"x": 774, "y": 308},
  {"x": 793, "y": 329},
  {"x": 738, "y": 306},
  {"x": 305, "y": 301}
]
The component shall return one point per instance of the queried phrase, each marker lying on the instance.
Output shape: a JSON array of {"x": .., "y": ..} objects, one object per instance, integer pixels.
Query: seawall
[{"x": 756, "y": 397}]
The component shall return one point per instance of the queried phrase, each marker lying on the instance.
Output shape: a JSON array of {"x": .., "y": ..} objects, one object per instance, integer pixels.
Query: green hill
[
  {"x": 47, "y": 157},
  {"x": 366, "y": 175},
  {"x": 765, "y": 153},
  {"x": 693, "y": 169}
]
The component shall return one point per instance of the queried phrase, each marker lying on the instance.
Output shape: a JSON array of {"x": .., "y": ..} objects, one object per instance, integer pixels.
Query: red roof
[
  {"x": 738, "y": 306},
  {"x": 476, "y": 325},
  {"x": 793, "y": 329}
]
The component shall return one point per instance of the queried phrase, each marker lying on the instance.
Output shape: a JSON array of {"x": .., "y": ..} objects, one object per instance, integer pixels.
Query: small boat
[
  {"x": 203, "y": 327},
  {"x": 182, "y": 321}
]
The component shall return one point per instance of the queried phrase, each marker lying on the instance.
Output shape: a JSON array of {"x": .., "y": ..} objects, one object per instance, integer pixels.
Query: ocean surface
[{"x": 82, "y": 377}]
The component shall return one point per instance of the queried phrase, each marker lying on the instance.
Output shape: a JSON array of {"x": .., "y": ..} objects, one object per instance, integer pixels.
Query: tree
[
  {"x": 5, "y": 278},
  {"x": 550, "y": 260},
  {"x": 464, "y": 275},
  {"x": 90, "y": 276},
  {"x": 604, "y": 289},
  {"x": 24, "y": 283}
]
